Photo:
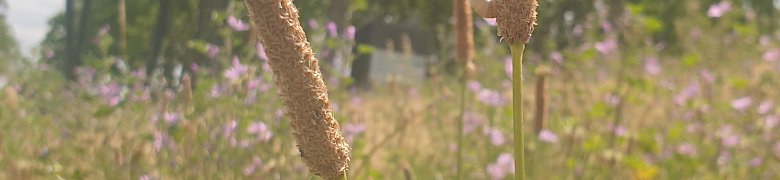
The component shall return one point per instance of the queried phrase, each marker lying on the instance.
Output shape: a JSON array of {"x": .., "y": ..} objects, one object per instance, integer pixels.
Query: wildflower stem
[
  {"x": 459, "y": 136},
  {"x": 342, "y": 177},
  {"x": 517, "y": 108}
]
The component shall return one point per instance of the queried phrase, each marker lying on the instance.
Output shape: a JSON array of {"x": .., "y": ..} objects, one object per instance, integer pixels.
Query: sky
[{"x": 28, "y": 19}]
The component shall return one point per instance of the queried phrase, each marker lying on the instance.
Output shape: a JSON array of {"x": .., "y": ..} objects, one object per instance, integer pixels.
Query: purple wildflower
[
  {"x": 730, "y": 141},
  {"x": 612, "y": 99},
  {"x": 212, "y": 50},
  {"x": 236, "y": 24},
  {"x": 771, "y": 55},
  {"x": 261, "y": 52},
  {"x": 470, "y": 121},
  {"x": 332, "y": 29},
  {"x": 215, "y": 91},
  {"x": 504, "y": 166},
  {"x": 250, "y": 169},
  {"x": 776, "y": 149},
  {"x": 490, "y": 21},
  {"x": 110, "y": 93},
  {"x": 707, "y": 76},
  {"x": 103, "y": 31},
  {"x": 557, "y": 57},
  {"x": 496, "y": 136},
  {"x": 85, "y": 74},
  {"x": 606, "y": 46},
  {"x": 724, "y": 158},
  {"x": 313, "y": 24},
  {"x": 548, "y": 136},
  {"x": 229, "y": 128},
  {"x": 194, "y": 67},
  {"x": 235, "y": 71},
  {"x": 349, "y": 33},
  {"x": 356, "y": 101},
  {"x": 145, "y": 177},
  {"x": 756, "y": 161},
  {"x": 170, "y": 117},
  {"x": 278, "y": 114},
  {"x": 473, "y": 85},
  {"x": 620, "y": 131},
  {"x": 686, "y": 149},
  {"x": 261, "y": 130},
  {"x": 765, "y": 106},
  {"x": 490, "y": 97},
  {"x": 352, "y": 130},
  {"x": 687, "y": 93},
  {"x": 742, "y": 103},
  {"x": 158, "y": 138},
  {"x": 652, "y": 66},
  {"x": 771, "y": 121},
  {"x": 719, "y": 9}
]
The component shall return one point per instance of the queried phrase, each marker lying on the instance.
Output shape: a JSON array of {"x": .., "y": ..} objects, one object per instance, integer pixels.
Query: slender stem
[
  {"x": 460, "y": 127},
  {"x": 517, "y": 108},
  {"x": 342, "y": 177}
]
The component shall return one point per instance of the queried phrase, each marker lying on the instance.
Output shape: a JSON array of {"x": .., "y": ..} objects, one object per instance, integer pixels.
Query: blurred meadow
[{"x": 615, "y": 89}]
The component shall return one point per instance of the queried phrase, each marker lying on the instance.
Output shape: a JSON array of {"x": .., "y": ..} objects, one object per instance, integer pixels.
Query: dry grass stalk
[
  {"x": 541, "y": 74},
  {"x": 300, "y": 83}
]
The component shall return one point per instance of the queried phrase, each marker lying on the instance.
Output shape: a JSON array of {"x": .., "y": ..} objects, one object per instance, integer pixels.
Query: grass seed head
[
  {"x": 516, "y": 20},
  {"x": 297, "y": 74}
]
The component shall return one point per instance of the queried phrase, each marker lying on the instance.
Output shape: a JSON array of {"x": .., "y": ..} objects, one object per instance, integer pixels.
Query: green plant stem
[
  {"x": 342, "y": 177},
  {"x": 517, "y": 108},
  {"x": 459, "y": 137}
]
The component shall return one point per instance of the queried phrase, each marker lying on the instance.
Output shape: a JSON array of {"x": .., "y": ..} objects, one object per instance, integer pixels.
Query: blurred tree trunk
[
  {"x": 122, "y": 21},
  {"x": 70, "y": 61},
  {"x": 158, "y": 34},
  {"x": 361, "y": 66},
  {"x": 82, "y": 35}
]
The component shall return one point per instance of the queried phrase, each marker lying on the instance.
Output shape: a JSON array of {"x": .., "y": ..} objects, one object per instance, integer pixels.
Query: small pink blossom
[
  {"x": 473, "y": 86},
  {"x": 352, "y": 130},
  {"x": 771, "y": 121},
  {"x": 490, "y": 21},
  {"x": 771, "y": 55},
  {"x": 606, "y": 46},
  {"x": 765, "y": 106},
  {"x": 503, "y": 166},
  {"x": 548, "y": 136},
  {"x": 261, "y": 131},
  {"x": 686, "y": 149},
  {"x": 557, "y": 57},
  {"x": 719, "y": 9},
  {"x": 261, "y": 52},
  {"x": 236, "y": 24},
  {"x": 652, "y": 66},
  {"x": 332, "y": 29},
  {"x": 349, "y": 33},
  {"x": 470, "y": 121},
  {"x": 212, "y": 51},
  {"x": 313, "y": 24},
  {"x": 496, "y": 136},
  {"x": 756, "y": 161},
  {"x": 741, "y": 104}
]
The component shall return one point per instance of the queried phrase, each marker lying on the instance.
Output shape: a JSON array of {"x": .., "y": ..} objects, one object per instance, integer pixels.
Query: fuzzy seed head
[
  {"x": 516, "y": 20},
  {"x": 297, "y": 74}
]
